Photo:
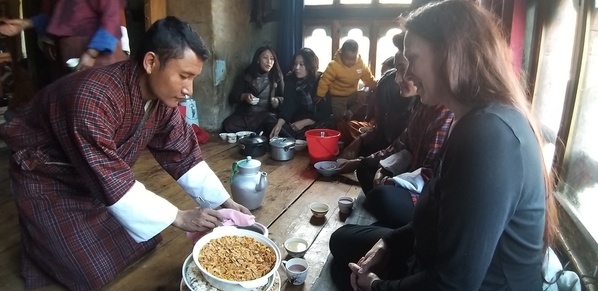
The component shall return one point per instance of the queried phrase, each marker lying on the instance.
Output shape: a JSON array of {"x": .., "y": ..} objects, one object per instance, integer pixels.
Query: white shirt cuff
[
  {"x": 142, "y": 213},
  {"x": 201, "y": 181},
  {"x": 412, "y": 181}
]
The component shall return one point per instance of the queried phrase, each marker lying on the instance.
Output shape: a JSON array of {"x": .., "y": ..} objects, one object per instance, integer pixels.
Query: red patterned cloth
[
  {"x": 426, "y": 131},
  {"x": 73, "y": 149}
]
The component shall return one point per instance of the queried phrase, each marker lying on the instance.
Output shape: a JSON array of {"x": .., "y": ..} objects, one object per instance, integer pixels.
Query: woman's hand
[
  {"x": 197, "y": 219},
  {"x": 375, "y": 257},
  {"x": 361, "y": 281},
  {"x": 299, "y": 125},
  {"x": 276, "y": 130},
  {"x": 230, "y": 204},
  {"x": 348, "y": 166},
  {"x": 275, "y": 102},
  {"x": 87, "y": 60},
  {"x": 247, "y": 97},
  {"x": 12, "y": 27}
]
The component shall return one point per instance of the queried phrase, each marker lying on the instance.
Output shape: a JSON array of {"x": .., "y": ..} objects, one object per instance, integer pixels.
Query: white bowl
[
  {"x": 364, "y": 129},
  {"x": 242, "y": 134},
  {"x": 235, "y": 285},
  {"x": 300, "y": 145},
  {"x": 319, "y": 209},
  {"x": 72, "y": 63},
  {"x": 327, "y": 168},
  {"x": 192, "y": 283}
]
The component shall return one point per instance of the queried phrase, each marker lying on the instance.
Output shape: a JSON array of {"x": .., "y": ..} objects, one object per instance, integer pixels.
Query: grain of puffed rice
[{"x": 237, "y": 258}]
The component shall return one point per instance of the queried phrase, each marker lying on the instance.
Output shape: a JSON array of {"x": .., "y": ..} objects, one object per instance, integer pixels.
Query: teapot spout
[{"x": 263, "y": 183}]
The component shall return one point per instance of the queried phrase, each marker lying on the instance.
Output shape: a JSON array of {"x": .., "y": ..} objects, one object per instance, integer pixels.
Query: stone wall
[{"x": 232, "y": 39}]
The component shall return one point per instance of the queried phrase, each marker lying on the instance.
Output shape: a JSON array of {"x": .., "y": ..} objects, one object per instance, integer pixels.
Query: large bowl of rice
[{"x": 235, "y": 259}]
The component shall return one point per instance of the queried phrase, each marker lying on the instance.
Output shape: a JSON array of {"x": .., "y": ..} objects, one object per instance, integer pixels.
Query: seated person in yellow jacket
[{"x": 341, "y": 80}]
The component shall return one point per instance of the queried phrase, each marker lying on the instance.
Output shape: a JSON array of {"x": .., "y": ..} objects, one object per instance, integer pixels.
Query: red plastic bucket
[{"x": 322, "y": 144}]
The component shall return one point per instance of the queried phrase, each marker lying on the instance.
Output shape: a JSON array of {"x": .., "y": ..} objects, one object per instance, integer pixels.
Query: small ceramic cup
[
  {"x": 255, "y": 101},
  {"x": 231, "y": 137},
  {"x": 296, "y": 247},
  {"x": 345, "y": 204},
  {"x": 222, "y": 136},
  {"x": 296, "y": 270}
]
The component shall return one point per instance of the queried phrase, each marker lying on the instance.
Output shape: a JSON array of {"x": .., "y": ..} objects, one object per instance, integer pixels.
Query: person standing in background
[
  {"x": 67, "y": 29},
  {"x": 341, "y": 81}
]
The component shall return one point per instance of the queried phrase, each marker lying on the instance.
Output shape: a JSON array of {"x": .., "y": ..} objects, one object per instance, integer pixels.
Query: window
[
  {"x": 318, "y": 2},
  {"x": 356, "y": 1},
  {"x": 554, "y": 73},
  {"x": 395, "y": 1},
  {"x": 318, "y": 39},
  {"x": 580, "y": 188},
  {"x": 385, "y": 48}
]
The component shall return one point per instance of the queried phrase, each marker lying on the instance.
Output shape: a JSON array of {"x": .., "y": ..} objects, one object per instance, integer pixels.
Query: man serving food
[{"x": 83, "y": 215}]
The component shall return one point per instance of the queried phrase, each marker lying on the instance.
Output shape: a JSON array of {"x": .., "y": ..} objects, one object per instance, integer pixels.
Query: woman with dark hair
[
  {"x": 301, "y": 110},
  {"x": 485, "y": 219},
  {"x": 257, "y": 93}
]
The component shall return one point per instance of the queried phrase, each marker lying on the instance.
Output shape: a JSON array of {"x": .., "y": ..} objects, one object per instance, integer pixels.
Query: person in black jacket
[
  {"x": 487, "y": 215},
  {"x": 301, "y": 110},
  {"x": 257, "y": 93}
]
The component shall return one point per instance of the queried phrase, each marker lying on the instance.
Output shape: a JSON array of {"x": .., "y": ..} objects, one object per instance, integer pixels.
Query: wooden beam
[{"x": 154, "y": 10}]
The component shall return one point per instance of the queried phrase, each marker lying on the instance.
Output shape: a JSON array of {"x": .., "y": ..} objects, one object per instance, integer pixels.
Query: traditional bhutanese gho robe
[{"x": 83, "y": 215}]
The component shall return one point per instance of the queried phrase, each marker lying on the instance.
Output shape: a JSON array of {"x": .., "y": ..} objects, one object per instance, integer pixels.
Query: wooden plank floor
[{"x": 292, "y": 186}]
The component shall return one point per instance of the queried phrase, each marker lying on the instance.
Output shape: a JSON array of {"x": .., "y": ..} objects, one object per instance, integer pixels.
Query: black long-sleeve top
[
  {"x": 245, "y": 83},
  {"x": 293, "y": 109},
  {"x": 479, "y": 223}
]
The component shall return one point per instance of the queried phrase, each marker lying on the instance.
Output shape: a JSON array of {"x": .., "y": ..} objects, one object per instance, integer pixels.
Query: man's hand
[
  {"x": 230, "y": 204},
  {"x": 347, "y": 166},
  {"x": 12, "y": 27},
  {"x": 379, "y": 178},
  {"x": 352, "y": 151},
  {"x": 197, "y": 219},
  {"x": 87, "y": 60}
]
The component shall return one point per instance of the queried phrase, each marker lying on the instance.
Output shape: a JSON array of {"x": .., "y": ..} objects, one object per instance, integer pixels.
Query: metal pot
[
  {"x": 253, "y": 145},
  {"x": 282, "y": 148}
]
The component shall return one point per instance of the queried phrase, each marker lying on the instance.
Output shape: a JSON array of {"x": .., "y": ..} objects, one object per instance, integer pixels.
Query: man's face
[
  {"x": 170, "y": 82},
  {"x": 349, "y": 58}
]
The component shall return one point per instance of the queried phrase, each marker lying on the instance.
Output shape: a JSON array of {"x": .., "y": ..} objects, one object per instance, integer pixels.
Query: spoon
[{"x": 205, "y": 204}]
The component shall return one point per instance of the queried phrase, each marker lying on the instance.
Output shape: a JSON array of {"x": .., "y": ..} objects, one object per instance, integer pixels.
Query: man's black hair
[{"x": 168, "y": 38}]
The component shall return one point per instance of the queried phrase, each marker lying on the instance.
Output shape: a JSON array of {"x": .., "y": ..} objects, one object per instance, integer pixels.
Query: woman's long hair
[
  {"x": 310, "y": 61},
  {"x": 254, "y": 68},
  {"x": 478, "y": 68}
]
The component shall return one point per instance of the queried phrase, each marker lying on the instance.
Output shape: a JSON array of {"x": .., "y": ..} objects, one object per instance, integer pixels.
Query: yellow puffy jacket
[{"x": 341, "y": 80}]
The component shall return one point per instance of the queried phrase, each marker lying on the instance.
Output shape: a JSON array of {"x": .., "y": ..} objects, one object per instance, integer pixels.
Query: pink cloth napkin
[{"x": 229, "y": 217}]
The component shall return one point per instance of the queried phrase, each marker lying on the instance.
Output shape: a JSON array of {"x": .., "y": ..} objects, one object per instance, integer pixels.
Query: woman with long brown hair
[{"x": 485, "y": 218}]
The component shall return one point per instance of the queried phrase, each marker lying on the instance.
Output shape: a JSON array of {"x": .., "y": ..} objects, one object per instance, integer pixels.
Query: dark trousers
[
  {"x": 391, "y": 205},
  {"x": 351, "y": 242}
]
